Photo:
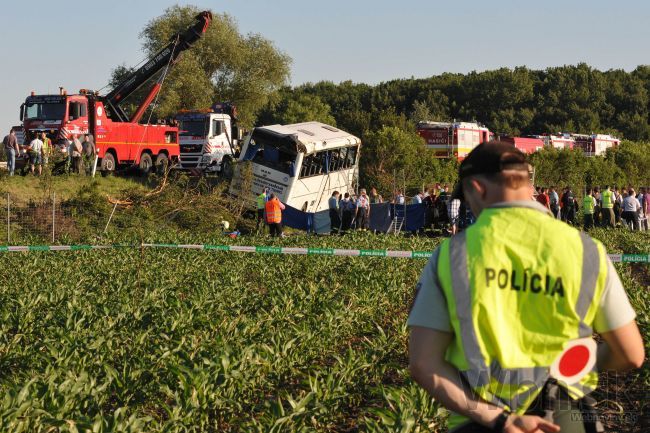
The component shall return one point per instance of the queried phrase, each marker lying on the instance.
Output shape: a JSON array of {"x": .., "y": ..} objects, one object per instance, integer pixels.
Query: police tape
[{"x": 621, "y": 258}]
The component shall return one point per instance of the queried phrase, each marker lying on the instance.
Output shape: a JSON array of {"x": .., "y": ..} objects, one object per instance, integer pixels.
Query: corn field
[{"x": 134, "y": 340}]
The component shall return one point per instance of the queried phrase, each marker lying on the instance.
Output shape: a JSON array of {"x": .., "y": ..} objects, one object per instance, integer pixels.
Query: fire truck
[
  {"x": 561, "y": 141},
  {"x": 453, "y": 139},
  {"x": 525, "y": 144},
  {"x": 120, "y": 139},
  {"x": 209, "y": 139},
  {"x": 595, "y": 144}
]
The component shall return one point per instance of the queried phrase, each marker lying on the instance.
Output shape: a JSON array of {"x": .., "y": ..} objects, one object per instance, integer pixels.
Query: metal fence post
[
  {"x": 8, "y": 221},
  {"x": 53, "y": 215}
]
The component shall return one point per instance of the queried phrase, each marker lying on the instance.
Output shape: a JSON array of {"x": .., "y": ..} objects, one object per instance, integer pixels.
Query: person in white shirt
[
  {"x": 399, "y": 197},
  {"x": 631, "y": 209},
  {"x": 363, "y": 211},
  {"x": 36, "y": 155}
]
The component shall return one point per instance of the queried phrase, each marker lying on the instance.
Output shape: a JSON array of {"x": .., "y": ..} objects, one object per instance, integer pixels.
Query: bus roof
[{"x": 315, "y": 136}]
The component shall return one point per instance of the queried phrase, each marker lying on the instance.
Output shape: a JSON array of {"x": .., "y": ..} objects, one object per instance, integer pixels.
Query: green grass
[
  {"x": 178, "y": 340},
  {"x": 35, "y": 188}
]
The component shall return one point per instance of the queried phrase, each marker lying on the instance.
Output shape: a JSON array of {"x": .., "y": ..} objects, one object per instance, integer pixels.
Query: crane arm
[{"x": 168, "y": 55}]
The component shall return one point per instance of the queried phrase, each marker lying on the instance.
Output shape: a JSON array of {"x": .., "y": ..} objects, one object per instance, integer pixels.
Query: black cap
[{"x": 489, "y": 158}]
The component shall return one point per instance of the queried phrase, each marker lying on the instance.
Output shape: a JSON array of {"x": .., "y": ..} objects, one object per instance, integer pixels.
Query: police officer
[{"x": 498, "y": 304}]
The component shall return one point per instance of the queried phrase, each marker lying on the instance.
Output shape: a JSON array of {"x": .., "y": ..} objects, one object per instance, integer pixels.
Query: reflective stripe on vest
[
  {"x": 606, "y": 196},
  {"x": 588, "y": 204},
  {"x": 515, "y": 388},
  {"x": 273, "y": 211}
]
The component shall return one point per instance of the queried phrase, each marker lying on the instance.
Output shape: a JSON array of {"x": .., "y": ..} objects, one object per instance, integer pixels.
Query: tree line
[{"x": 251, "y": 72}]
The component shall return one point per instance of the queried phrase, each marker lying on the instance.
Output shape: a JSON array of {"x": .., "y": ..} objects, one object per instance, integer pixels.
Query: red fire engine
[
  {"x": 595, "y": 144},
  {"x": 119, "y": 139},
  {"x": 453, "y": 139},
  {"x": 525, "y": 144}
]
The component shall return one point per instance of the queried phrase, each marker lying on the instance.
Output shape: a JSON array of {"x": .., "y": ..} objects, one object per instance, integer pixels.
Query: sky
[{"x": 76, "y": 44}]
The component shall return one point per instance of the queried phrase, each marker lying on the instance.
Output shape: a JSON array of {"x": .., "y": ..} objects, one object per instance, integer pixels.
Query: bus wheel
[
  {"x": 227, "y": 167},
  {"x": 162, "y": 162},
  {"x": 108, "y": 164},
  {"x": 146, "y": 164}
]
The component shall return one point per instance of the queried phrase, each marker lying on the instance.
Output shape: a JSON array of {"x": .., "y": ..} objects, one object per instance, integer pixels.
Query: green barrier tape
[
  {"x": 217, "y": 247},
  {"x": 617, "y": 258},
  {"x": 372, "y": 253},
  {"x": 268, "y": 250},
  {"x": 635, "y": 258},
  {"x": 80, "y": 247},
  {"x": 320, "y": 251}
]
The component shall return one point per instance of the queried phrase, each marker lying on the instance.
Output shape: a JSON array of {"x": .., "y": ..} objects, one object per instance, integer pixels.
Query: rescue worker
[
  {"x": 607, "y": 208},
  {"x": 497, "y": 304},
  {"x": 274, "y": 208},
  {"x": 47, "y": 148},
  {"x": 261, "y": 204},
  {"x": 588, "y": 207}
]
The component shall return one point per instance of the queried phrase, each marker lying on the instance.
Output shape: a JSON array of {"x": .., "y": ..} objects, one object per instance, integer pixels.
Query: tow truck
[
  {"x": 209, "y": 139},
  {"x": 120, "y": 139}
]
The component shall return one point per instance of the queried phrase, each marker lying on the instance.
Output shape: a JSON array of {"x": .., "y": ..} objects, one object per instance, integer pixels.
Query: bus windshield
[
  {"x": 273, "y": 151},
  {"x": 194, "y": 128},
  {"x": 44, "y": 111}
]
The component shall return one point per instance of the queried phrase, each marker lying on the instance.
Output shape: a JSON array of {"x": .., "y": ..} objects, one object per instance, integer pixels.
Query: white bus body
[{"x": 302, "y": 163}]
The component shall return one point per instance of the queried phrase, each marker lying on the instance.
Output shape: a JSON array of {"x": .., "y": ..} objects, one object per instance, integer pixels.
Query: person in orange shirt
[{"x": 274, "y": 208}]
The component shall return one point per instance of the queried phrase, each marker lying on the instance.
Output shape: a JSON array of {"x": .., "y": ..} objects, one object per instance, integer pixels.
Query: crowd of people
[
  {"x": 349, "y": 211},
  {"x": 606, "y": 207},
  {"x": 71, "y": 156}
]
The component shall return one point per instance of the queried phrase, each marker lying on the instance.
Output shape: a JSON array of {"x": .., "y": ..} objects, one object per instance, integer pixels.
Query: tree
[
  {"x": 392, "y": 154},
  {"x": 223, "y": 65},
  {"x": 296, "y": 107}
]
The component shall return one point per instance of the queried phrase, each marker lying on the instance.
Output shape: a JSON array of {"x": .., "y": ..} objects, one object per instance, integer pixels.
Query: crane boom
[{"x": 168, "y": 55}]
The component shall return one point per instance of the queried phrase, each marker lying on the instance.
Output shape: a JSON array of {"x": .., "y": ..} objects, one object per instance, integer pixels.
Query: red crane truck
[{"x": 120, "y": 140}]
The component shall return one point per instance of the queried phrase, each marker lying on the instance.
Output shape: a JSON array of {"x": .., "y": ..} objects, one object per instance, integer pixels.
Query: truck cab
[
  {"x": 207, "y": 138},
  {"x": 59, "y": 116}
]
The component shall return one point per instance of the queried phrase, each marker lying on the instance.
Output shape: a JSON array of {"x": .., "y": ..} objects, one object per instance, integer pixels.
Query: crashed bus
[{"x": 302, "y": 163}]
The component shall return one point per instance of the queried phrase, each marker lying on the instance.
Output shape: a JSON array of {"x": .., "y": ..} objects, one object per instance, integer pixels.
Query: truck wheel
[
  {"x": 162, "y": 162},
  {"x": 146, "y": 164},
  {"x": 227, "y": 167},
  {"x": 108, "y": 164}
]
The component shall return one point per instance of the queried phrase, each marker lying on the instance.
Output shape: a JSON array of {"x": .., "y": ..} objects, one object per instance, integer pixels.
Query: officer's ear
[{"x": 476, "y": 186}]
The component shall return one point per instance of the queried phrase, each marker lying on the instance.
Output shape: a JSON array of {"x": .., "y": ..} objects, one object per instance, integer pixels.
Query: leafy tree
[
  {"x": 295, "y": 108},
  {"x": 223, "y": 65}
]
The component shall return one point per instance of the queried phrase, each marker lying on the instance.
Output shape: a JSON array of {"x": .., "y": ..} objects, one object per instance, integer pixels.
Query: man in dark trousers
[
  {"x": 274, "y": 208},
  {"x": 12, "y": 150},
  {"x": 335, "y": 215}
]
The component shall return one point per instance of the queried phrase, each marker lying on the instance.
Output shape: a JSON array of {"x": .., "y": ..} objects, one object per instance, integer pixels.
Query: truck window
[
  {"x": 194, "y": 128},
  {"x": 44, "y": 111},
  {"x": 218, "y": 127},
  {"x": 170, "y": 137}
]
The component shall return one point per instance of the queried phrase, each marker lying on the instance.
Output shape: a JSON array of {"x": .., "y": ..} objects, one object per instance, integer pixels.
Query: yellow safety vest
[
  {"x": 588, "y": 205},
  {"x": 606, "y": 196},
  {"x": 513, "y": 308},
  {"x": 46, "y": 146},
  {"x": 261, "y": 201}
]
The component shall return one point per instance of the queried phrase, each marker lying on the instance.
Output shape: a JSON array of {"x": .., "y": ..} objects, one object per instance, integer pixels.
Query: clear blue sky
[{"x": 75, "y": 44}]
